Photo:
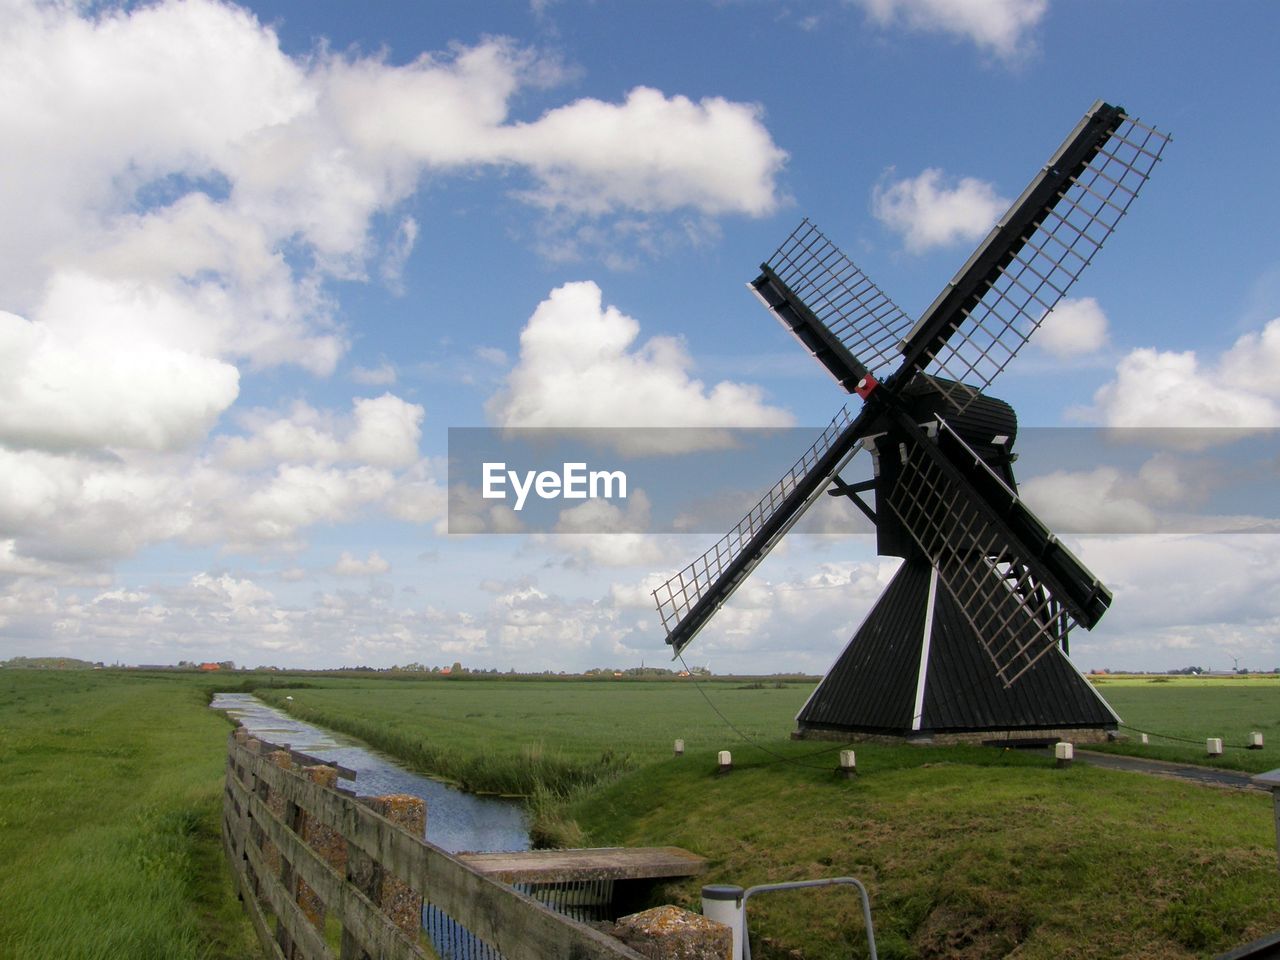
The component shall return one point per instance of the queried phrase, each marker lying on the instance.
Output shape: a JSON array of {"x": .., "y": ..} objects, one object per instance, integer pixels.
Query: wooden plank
[
  {"x": 303, "y": 935},
  {"x": 252, "y": 864},
  {"x": 251, "y": 907},
  {"x": 599, "y": 863},
  {"x": 377, "y": 934},
  {"x": 306, "y": 759},
  {"x": 514, "y": 923}
]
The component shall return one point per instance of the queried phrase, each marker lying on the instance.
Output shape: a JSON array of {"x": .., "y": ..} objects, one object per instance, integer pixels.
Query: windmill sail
[
  {"x": 1034, "y": 254},
  {"x": 687, "y": 600},
  {"x": 1019, "y": 588},
  {"x": 831, "y": 306}
]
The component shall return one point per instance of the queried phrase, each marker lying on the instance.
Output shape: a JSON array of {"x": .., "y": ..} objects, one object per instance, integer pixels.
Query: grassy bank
[
  {"x": 109, "y": 807},
  {"x": 967, "y": 853}
]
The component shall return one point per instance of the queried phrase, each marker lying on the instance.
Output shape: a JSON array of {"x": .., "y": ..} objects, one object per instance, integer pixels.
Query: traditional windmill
[{"x": 985, "y": 655}]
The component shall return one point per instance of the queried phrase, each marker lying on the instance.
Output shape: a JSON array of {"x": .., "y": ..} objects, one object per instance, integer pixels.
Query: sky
[{"x": 257, "y": 260}]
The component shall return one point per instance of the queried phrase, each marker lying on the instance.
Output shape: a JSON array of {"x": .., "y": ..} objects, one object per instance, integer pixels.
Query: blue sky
[{"x": 259, "y": 259}]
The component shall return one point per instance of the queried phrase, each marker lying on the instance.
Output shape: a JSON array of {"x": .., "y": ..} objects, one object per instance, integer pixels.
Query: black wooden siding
[{"x": 872, "y": 686}]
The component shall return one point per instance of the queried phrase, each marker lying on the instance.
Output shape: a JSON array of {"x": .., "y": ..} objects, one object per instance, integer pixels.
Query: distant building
[{"x": 209, "y": 667}]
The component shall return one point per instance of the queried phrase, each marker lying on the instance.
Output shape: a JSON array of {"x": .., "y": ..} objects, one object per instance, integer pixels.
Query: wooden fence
[{"x": 339, "y": 879}]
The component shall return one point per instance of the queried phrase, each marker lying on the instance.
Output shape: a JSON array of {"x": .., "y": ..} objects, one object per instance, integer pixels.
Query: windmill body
[{"x": 969, "y": 640}]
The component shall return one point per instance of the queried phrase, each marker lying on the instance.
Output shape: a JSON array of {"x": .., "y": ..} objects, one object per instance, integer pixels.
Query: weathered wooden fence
[{"x": 337, "y": 878}]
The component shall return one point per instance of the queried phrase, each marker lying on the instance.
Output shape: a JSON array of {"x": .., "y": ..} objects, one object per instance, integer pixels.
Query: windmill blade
[
  {"x": 1034, "y": 254},
  {"x": 688, "y": 600},
  {"x": 832, "y": 307},
  {"x": 1020, "y": 589}
]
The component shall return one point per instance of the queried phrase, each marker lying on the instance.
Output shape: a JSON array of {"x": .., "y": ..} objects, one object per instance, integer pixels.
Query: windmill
[{"x": 986, "y": 653}]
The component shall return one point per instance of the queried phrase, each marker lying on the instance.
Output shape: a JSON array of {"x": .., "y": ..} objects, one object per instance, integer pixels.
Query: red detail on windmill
[{"x": 865, "y": 386}]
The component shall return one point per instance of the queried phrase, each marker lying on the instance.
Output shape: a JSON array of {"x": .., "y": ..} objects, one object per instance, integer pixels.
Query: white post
[
  {"x": 1214, "y": 746},
  {"x": 1064, "y": 752},
  {"x": 848, "y": 764},
  {"x": 1255, "y": 741},
  {"x": 722, "y": 902},
  {"x": 726, "y": 761},
  {"x": 679, "y": 748}
]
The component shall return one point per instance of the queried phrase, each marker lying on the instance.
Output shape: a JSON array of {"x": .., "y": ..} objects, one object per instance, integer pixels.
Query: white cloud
[
  {"x": 1002, "y": 27},
  {"x": 1253, "y": 361},
  {"x": 929, "y": 212},
  {"x": 1075, "y": 327},
  {"x": 580, "y": 366},
  {"x": 397, "y": 254},
  {"x": 383, "y": 431},
  {"x": 578, "y": 154},
  {"x": 1154, "y": 388},
  {"x": 1179, "y": 599},
  {"x": 386, "y": 431},
  {"x": 64, "y": 393},
  {"x": 1091, "y": 501},
  {"x": 179, "y": 192},
  {"x": 297, "y": 496},
  {"x": 349, "y": 565},
  {"x": 383, "y": 375}
]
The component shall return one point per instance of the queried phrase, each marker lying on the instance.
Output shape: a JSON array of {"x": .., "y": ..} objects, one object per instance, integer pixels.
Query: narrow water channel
[{"x": 456, "y": 820}]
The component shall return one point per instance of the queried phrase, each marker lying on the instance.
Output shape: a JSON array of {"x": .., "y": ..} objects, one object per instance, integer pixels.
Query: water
[{"x": 456, "y": 821}]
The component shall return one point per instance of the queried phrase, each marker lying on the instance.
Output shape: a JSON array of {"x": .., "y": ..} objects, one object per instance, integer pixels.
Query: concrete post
[
  {"x": 1213, "y": 746},
  {"x": 325, "y": 841},
  {"x": 670, "y": 933},
  {"x": 725, "y": 760},
  {"x": 397, "y": 899},
  {"x": 1064, "y": 753},
  {"x": 679, "y": 748},
  {"x": 848, "y": 764}
]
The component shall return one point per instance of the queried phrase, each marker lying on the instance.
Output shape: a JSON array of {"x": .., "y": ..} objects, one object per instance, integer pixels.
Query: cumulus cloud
[
  {"x": 932, "y": 210},
  {"x": 1075, "y": 327},
  {"x": 1001, "y": 27},
  {"x": 349, "y": 565},
  {"x": 66, "y": 393},
  {"x": 383, "y": 431},
  {"x": 1155, "y": 388},
  {"x": 580, "y": 365},
  {"x": 179, "y": 193}
]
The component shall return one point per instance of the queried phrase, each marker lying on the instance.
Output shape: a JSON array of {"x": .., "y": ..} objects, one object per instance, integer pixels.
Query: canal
[{"x": 456, "y": 821}]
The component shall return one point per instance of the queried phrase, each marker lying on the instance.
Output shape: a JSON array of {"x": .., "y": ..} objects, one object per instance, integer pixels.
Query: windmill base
[
  {"x": 915, "y": 671},
  {"x": 950, "y": 738}
]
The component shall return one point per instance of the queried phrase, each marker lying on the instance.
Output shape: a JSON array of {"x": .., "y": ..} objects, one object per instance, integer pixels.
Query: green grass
[
  {"x": 110, "y": 801},
  {"x": 1194, "y": 709},
  {"x": 969, "y": 852},
  {"x": 966, "y": 852},
  {"x": 523, "y": 737}
]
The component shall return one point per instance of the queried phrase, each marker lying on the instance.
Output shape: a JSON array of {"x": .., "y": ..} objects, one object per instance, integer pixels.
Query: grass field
[
  {"x": 109, "y": 801},
  {"x": 511, "y": 737},
  {"x": 1193, "y": 709},
  {"x": 969, "y": 852},
  {"x": 109, "y": 807}
]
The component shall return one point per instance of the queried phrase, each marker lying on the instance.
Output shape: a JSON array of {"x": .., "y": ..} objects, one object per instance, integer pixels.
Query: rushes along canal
[{"x": 456, "y": 821}]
